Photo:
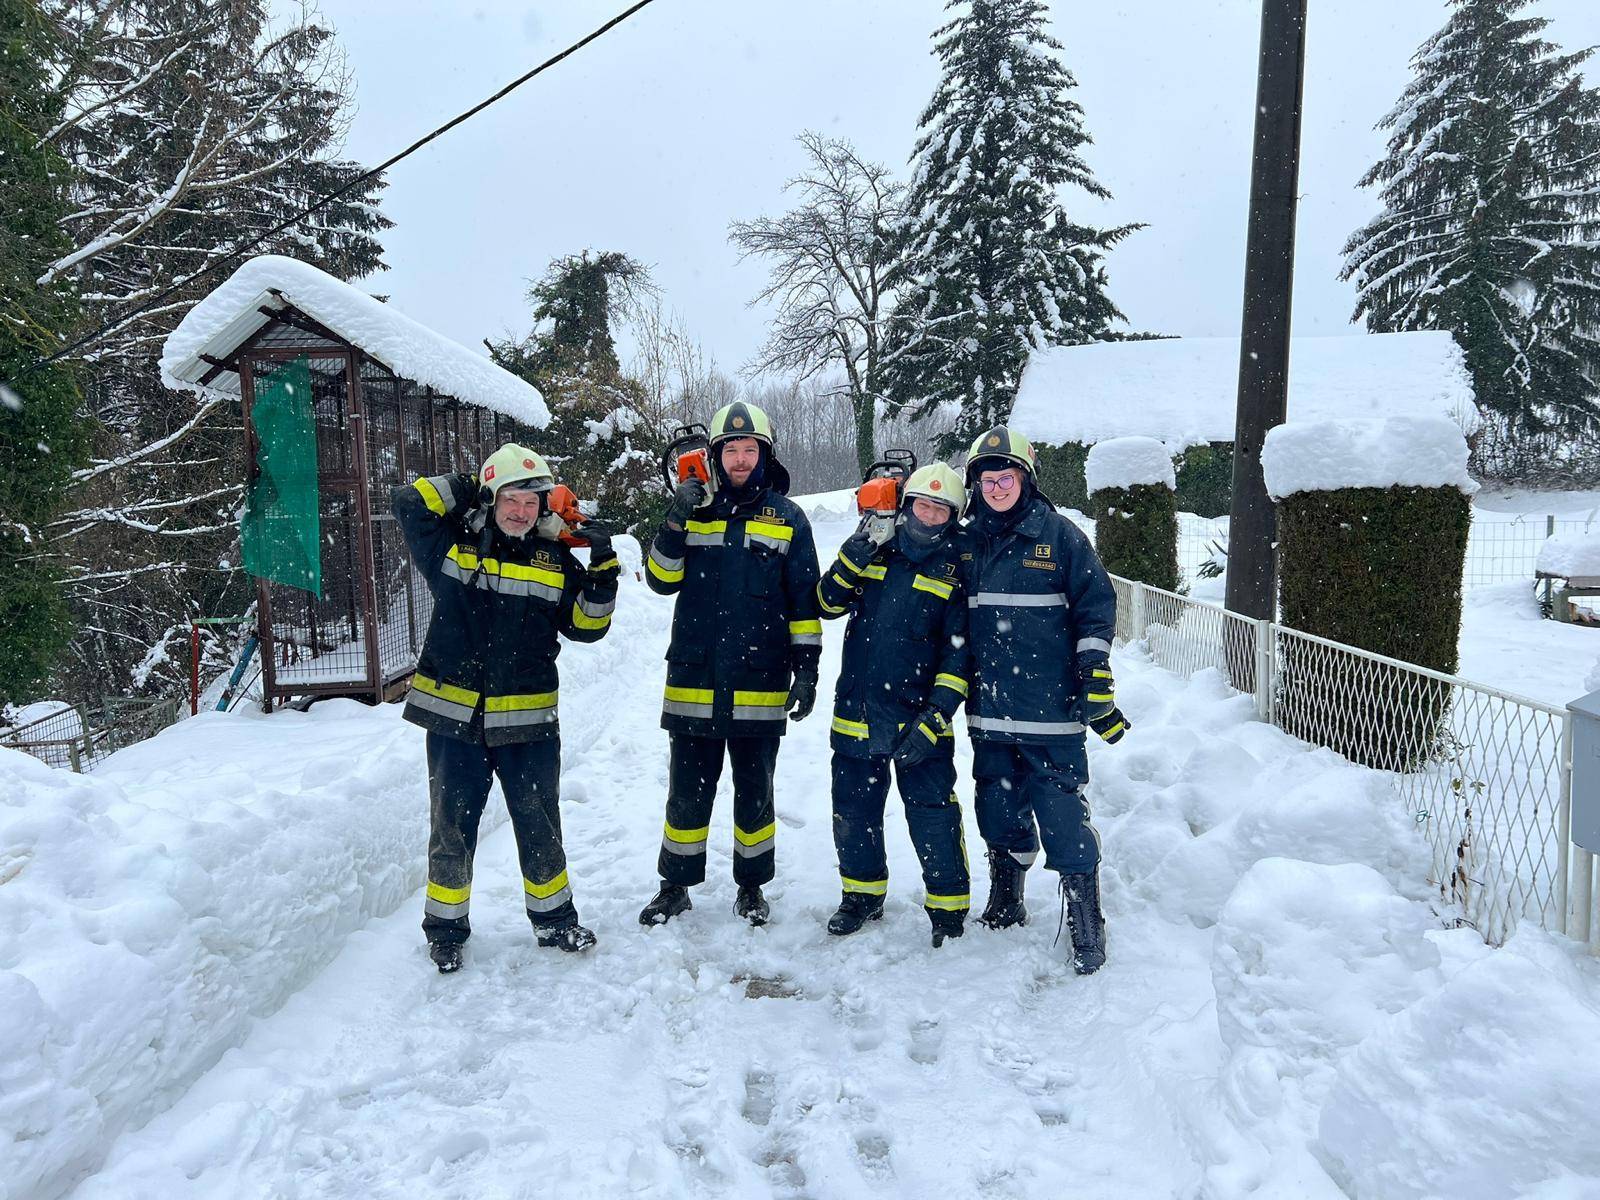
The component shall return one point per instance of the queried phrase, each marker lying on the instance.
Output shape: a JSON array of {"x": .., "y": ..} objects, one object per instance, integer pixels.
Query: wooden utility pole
[{"x": 1268, "y": 298}]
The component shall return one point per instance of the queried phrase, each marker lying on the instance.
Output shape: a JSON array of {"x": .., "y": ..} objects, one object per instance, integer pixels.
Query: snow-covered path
[{"x": 1265, "y": 918}]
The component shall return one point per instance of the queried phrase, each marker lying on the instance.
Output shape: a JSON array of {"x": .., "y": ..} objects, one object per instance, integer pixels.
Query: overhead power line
[{"x": 128, "y": 317}]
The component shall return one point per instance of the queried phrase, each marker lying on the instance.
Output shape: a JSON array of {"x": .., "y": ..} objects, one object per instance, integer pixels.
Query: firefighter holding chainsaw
[
  {"x": 746, "y": 639},
  {"x": 904, "y": 674},
  {"x": 504, "y": 587},
  {"x": 1041, "y": 617}
]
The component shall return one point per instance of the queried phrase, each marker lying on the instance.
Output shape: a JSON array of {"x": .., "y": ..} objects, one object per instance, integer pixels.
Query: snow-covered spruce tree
[
  {"x": 1489, "y": 228},
  {"x": 597, "y": 441},
  {"x": 989, "y": 265},
  {"x": 191, "y": 127},
  {"x": 40, "y": 434}
]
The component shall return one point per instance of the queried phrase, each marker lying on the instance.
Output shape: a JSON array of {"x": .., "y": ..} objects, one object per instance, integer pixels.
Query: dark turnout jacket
[
  {"x": 1041, "y": 606},
  {"x": 905, "y": 646},
  {"x": 745, "y": 575},
  {"x": 488, "y": 666}
]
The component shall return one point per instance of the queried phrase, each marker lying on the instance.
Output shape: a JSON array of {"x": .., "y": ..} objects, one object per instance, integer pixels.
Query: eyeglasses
[{"x": 1000, "y": 483}]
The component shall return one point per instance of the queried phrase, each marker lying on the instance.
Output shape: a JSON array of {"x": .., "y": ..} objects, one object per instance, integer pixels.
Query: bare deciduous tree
[{"x": 828, "y": 258}]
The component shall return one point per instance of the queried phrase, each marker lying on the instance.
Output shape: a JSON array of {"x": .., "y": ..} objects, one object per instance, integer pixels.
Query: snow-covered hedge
[
  {"x": 1131, "y": 487},
  {"x": 1127, "y": 462},
  {"x": 1373, "y": 519},
  {"x": 1325, "y": 456}
]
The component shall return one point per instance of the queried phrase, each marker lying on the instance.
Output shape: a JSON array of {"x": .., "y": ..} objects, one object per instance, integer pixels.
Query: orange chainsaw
[
  {"x": 562, "y": 501},
  {"x": 879, "y": 493}
]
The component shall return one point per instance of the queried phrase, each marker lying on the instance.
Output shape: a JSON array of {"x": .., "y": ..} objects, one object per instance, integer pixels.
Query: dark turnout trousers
[
  {"x": 860, "y": 788},
  {"x": 695, "y": 768},
  {"x": 459, "y": 776},
  {"x": 1019, "y": 785}
]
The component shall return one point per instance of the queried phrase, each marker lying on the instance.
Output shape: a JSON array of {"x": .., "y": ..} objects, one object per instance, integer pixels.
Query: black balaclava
[
  {"x": 918, "y": 540},
  {"x": 753, "y": 486},
  {"x": 993, "y": 523}
]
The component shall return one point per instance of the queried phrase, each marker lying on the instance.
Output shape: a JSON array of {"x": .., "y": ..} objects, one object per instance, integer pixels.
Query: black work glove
[
  {"x": 859, "y": 547},
  {"x": 1100, "y": 709},
  {"x": 599, "y": 538},
  {"x": 686, "y": 497},
  {"x": 802, "y": 694},
  {"x": 922, "y": 738},
  {"x": 469, "y": 492}
]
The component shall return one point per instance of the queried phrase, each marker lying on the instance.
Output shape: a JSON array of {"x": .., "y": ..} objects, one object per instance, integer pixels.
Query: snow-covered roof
[
  {"x": 1570, "y": 556},
  {"x": 1362, "y": 452},
  {"x": 1185, "y": 391},
  {"x": 220, "y": 323}
]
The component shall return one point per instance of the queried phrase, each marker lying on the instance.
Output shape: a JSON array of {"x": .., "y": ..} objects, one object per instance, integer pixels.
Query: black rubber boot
[
  {"x": 446, "y": 956},
  {"x": 1005, "y": 907},
  {"x": 752, "y": 905},
  {"x": 1080, "y": 899},
  {"x": 568, "y": 936},
  {"x": 671, "y": 900},
  {"x": 946, "y": 924},
  {"x": 854, "y": 911}
]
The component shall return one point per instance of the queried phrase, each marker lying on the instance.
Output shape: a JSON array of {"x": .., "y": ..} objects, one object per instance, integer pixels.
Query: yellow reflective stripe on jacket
[
  {"x": 866, "y": 887},
  {"x": 520, "y": 703},
  {"x": 855, "y": 729},
  {"x": 691, "y": 695},
  {"x": 468, "y": 561},
  {"x": 668, "y": 570},
  {"x": 582, "y": 620},
  {"x": 811, "y": 626},
  {"x": 430, "y": 496},
  {"x": 938, "y": 587},
  {"x": 693, "y": 526},
  {"x": 758, "y": 699},
  {"x": 806, "y": 632},
  {"x": 873, "y": 571},
  {"x": 954, "y": 682},
  {"x": 822, "y": 600},
  {"x": 778, "y": 533},
  {"x": 853, "y": 568},
  {"x": 445, "y": 691},
  {"x": 948, "y": 903}
]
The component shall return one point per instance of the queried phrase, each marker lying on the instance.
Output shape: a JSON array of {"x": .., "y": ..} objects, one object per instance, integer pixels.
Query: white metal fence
[{"x": 1486, "y": 774}]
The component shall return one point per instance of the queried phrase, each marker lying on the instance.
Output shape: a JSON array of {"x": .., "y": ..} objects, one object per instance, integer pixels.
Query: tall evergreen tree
[
  {"x": 40, "y": 435},
  {"x": 191, "y": 127},
  {"x": 1489, "y": 228},
  {"x": 597, "y": 441},
  {"x": 990, "y": 266}
]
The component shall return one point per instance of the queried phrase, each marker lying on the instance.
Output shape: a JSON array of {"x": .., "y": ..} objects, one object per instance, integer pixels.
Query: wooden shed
[{"x": 389, "y": 400}]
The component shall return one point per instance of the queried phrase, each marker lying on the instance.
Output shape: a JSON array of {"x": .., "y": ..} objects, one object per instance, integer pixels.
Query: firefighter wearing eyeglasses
[
  {"x": 746, "y": 640},
  {"x": 901, "y": 679},
  {"x": 1042, "y": 614}
]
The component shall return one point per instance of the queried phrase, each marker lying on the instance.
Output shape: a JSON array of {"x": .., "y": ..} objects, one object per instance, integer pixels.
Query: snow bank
[
  {"x": 220, "y": 322},
  {"x": 1322, "y": 456},
  {"x": 1570, "y": 555},
  {"x": 149, "y": 911},
  {"x": 1185, "y": 391},
  {"x": 1127, "y": 462},
  {"x": 1487, "y": 1087},
  {"x": 838, "y": 505}
]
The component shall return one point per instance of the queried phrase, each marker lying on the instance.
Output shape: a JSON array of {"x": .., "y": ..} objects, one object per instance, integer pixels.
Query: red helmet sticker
[
  {"x": 935, "y": 484},
  {"x": 488, "y": 472},
  {"x": 528, "y": 462}
]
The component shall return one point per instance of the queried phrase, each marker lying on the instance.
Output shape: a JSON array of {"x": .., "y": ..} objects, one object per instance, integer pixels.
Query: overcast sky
[{"x": 651, "y": 140}]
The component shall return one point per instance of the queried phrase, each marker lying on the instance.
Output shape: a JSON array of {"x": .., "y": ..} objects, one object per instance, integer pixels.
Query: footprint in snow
[{"x": 927, "y": 1037}]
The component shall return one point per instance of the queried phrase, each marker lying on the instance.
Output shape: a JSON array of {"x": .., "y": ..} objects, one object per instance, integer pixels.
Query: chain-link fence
[
  {"x": 1487, "y": 775},
  {"x": 1501, "y": 548},
  {"x": 79, "y": 736}
]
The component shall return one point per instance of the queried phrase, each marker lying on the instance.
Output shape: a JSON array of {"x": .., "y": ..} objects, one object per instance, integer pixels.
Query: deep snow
[{"x": 1283, "y": 1014}]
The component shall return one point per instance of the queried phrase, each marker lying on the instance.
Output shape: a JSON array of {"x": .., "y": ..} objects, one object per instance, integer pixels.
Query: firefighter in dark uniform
[
  {"x": 485, "y": 687},
  {"x": 746, "y": 639},
  {"x": 904, "y": 674},
  {"x": 1042, "y": 615}
]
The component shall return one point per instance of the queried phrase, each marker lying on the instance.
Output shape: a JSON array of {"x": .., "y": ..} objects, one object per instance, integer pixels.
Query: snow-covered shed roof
[
  {"x": 220, "y": 324},
  {"x": 1185, "y": 391}
]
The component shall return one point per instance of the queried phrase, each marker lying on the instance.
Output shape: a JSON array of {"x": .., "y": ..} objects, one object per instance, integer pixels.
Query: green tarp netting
[{"x": 281, "y": 531}]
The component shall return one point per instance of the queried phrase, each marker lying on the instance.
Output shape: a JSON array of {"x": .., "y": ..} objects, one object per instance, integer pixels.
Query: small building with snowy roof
[
  {"x": 1184, "y": 392},
  {"x": 343, "y": 397}
]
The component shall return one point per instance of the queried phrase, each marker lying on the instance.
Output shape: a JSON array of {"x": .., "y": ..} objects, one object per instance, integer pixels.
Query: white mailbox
[{"x": 1586, "y": 772}]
